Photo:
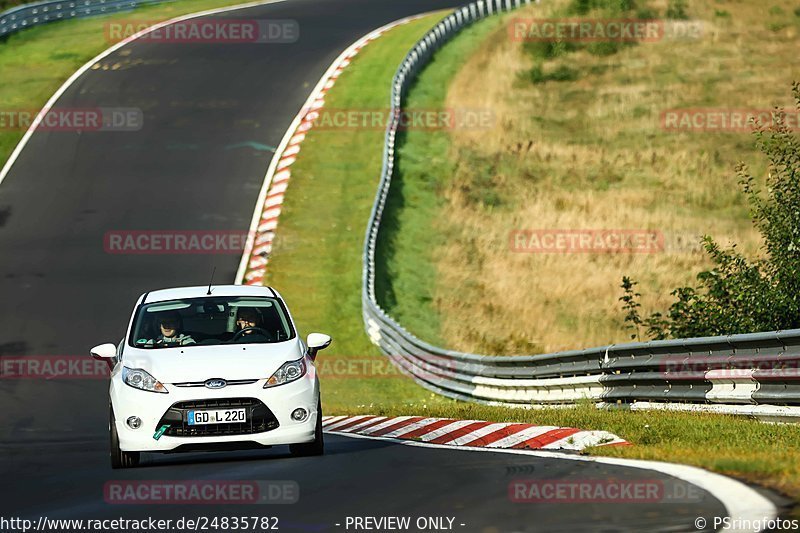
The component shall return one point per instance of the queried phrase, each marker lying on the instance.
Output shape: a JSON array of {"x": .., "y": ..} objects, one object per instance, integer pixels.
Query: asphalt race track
[
  {"x": 186, "y": 169},
  {"x": 211, "y": 112},
  {"x": 356, "y": 477}
]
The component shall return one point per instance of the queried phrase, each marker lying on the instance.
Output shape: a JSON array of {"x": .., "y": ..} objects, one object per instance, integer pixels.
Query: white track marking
[
  {"x": 327, "y": 421},
  {"x": 365, "y": 423},
  {"x": 386, "y": 424},
  {"x": 295, "y": 137},
  {"x": 339, "y": 423},
  {"x": 521, "y": 436},
  {"x": 411, "y": 427},
  {"x": 583, "y": 439},
  {"x": 740, "y": 501},
  {"x": 480, "y": 432},
  {"x": 449, "y": 428},
  {"x": 78, "y": 73}
]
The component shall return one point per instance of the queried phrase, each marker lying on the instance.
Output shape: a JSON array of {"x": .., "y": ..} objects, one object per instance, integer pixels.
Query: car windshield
[{"x": 210, "y": 321}]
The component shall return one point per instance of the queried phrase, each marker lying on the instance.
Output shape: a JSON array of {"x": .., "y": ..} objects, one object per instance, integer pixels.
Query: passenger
[{"x": 171, "y": 325}]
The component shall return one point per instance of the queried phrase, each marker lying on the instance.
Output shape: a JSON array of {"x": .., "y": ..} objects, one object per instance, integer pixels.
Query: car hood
[{"x": 199, "y": 363}]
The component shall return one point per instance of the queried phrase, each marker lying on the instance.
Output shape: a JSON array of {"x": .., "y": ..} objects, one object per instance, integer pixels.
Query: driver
[
  {"x": 247, "y": 319},
  {"x": 170, "y": 325}
]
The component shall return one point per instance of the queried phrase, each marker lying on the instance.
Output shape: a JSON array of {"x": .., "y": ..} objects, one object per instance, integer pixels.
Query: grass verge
[
  {"x": 316, "y": 265},
  {"x": 316, "y": 259},
  {"x": 584, "y": 151},
  {"x": 760, "y": 453},
  {"x": 40, "y": 59}
]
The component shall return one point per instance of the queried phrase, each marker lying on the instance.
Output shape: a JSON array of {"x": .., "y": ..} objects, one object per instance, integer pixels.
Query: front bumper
[{"x": 269, "y": 415}]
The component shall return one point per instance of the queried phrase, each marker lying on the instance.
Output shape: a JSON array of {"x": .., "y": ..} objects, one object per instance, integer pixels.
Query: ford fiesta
[{"x": 204, "y": 368}]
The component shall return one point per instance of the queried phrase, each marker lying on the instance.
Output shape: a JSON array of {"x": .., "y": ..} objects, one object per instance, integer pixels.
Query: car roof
[{"x": 180, "y": 293}]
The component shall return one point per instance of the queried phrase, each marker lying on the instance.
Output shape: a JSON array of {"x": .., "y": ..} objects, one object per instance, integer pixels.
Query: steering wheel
[{"x": 243, "y": 332}]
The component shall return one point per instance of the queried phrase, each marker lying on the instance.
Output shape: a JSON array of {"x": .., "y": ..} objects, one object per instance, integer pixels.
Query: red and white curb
[
  {"x": 470, "y": 433},
  {"x": 253, "y": 265},
  {"x": 742, "y": 503}
]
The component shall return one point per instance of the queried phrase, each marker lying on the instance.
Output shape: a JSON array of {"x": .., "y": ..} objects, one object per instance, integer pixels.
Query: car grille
[
  {"x": 228, "y": 383},
  {"x": 259, "y": 418}
]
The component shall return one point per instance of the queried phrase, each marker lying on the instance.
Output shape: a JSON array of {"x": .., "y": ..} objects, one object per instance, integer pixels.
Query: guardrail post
[
  {"x": 33, "y": 14},
  {"x": 683, "y": 370}
]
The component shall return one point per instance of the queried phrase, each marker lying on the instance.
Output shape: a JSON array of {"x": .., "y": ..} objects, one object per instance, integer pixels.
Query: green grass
[
  {"x": 317, "y": 259},
  {"x": 766, "y": 454},
  {"x": 40, "y": 59},
  {"x": 409, "y": 230},
  {"x": 8, "y": 4},
  {"x": 577, "y": 143},
  {"x": 316, "y": 263}
]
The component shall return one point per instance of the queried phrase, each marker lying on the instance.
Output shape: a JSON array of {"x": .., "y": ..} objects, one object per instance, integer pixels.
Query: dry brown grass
[{"x": 599, "y": 159}]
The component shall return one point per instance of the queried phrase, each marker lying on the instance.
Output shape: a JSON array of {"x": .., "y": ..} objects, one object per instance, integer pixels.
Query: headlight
[
  {"x": 139, "y": 379},
  {"x": 288, "y": 372}
]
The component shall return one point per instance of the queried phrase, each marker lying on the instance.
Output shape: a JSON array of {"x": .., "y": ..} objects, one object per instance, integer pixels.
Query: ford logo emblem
[{"x": 215, "y": 383}]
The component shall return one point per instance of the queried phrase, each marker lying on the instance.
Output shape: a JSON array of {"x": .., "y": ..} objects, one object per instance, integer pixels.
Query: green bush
[
  {"x": 738, "y": 294},
  {"x": 549, "y": 49},
  {"x": 537, "y": 74},
  {"x": 646, "y": 13},
  {"x": 676, "y": 9},
  {"x": 583, "y": 7},
  {"x": 8, "y": 4},
  {"x": 606, "y": 48}
]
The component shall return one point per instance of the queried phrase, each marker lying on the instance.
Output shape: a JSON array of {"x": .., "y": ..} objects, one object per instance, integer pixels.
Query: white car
[{"x": 205, "y": 368}]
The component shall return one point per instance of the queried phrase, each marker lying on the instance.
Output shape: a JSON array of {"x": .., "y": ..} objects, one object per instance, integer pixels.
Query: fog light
[
  {"x": 299, "y": 414},
  {"x": 134, "y": 422}
]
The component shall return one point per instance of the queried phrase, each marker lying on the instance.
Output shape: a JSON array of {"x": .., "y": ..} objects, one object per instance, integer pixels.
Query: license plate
[{"x": 219, "y": 416}]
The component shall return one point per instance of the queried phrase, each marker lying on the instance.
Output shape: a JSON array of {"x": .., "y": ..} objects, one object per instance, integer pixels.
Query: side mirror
[
  {"x": 105, "y": 352},
  {"x": 317, "y": 342}
]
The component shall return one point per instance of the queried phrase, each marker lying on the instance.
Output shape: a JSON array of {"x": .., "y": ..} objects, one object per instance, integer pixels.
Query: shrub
[{"x": 738, "y": 294}]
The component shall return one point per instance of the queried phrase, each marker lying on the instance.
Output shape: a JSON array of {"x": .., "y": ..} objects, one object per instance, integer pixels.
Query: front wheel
[
  {"x": 120, "y": 459},
  {"x": 317, "y": 447}
]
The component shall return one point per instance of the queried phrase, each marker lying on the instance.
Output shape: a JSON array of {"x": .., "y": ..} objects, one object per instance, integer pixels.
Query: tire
[
  {"x": 317, "y": 447},
  {"x": 120, "y": 459}
]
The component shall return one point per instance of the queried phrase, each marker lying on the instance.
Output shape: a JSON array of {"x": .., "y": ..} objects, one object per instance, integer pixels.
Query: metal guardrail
[
  {"x": 756, "y": 374},
  {"x": 30, "y": 15}
]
